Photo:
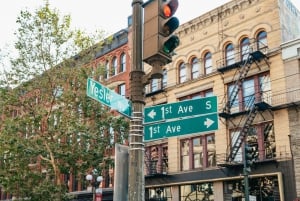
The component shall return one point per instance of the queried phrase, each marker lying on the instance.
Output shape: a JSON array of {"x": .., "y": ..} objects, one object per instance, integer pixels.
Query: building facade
[{"x": 240, "y": 52}]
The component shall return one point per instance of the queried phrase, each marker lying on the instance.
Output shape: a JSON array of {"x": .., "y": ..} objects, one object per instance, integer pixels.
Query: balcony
[
  {"x": 156, "y": 168},
  {"x": 270, "y": 155},
  {"x": 240, "y": 58}
]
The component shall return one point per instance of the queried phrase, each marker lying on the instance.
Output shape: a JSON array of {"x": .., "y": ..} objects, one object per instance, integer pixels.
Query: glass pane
[
  {"x": 234, "y": 138},
  {"x": 197, "y": 152},
  {"x": 265, "y": 88},
  {"x": 185, "y": 155},
  {"x": 234, "y": 102},
  {"x": 245, "y": 48},
  {"x": 182, "y": 73},
  {"x": 211, "y": 150},
  {"x": 208, "y": 63},
  {"x": 248, "y": 93},
  {"x": 262, "y": 40},
  {"x": 195, "y": 68},
  {"x": 229, "y": 54}
]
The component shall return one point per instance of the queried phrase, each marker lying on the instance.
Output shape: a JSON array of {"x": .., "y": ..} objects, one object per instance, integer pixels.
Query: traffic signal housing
[
  {"x": 250, "y": 156},
  {"x": 159, "y": 42}
]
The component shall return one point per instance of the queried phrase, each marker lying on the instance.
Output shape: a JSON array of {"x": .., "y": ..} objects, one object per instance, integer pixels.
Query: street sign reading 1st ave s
[
  {"x": 108, "y": 97},
  {"x": 181, "y": 109}
]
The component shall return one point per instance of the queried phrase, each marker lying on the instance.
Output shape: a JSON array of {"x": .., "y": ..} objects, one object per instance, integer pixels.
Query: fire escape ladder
[
  {"x": 241, "y": 136},
  {"x": 243, "y": 71},
  {"x": 267, "y": 130},
  {"x": 148, "y": 165}
]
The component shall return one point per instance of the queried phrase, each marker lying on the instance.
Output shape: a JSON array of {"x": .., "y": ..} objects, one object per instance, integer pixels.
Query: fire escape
[
  {"x": 255, "y": 57},
  {"x": 156, "y": 162}
]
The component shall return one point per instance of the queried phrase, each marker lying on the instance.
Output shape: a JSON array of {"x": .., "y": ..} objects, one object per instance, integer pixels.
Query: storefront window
[
  {"x": 262, "y": 188},
  {"x": 158, "y": 194},
  {"x": 204, "y": 191}
]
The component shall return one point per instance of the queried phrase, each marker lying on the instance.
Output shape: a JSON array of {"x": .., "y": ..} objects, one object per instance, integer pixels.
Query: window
[
  {"x": 253, "y": 89},
  {"x": 122, "y": 89},
  {"x": 229, "y": 54},
  {"x": 195, "y": 68},
  {"x": 164, "y": 78},
  {"x": 262, "y": 40},
  {"x": 203, "y": 191},
  {"x": 261, "y": 137},
  {"x": 198, "y": 152},
  {"x": 107, "y": 74},
  {"x": 207, "y": 63},
  {"x": 245, "y": 48},
  {"x": 155, "y": 84},
  {"x": 182, "y": 72},
  {"x": 206, "y": 93},
  {"x": 123, "y": 62},
  {"x": 156, "y": 159},
  {"x": 158, "y": 193},
  {"x": 114, "y": 66}
]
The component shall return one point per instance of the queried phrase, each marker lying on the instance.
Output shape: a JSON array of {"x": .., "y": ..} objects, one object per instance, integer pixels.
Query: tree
[{"x": 48, "y": 126}]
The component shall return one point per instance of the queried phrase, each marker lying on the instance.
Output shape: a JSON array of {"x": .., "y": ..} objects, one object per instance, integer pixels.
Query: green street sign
[
  {"x": 186, "y": 126},
  {"x": 108, "y": 97},
  {"x": 181, "y": 109}
]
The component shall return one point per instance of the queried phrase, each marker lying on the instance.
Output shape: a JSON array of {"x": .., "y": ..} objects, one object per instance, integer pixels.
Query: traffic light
[
  {"x": 159, "y": 26},
  {"x": 250, "y": 156}
]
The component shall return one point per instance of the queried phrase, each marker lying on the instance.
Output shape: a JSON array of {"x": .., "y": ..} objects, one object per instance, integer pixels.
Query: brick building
[{"x": 244, "y": 53}]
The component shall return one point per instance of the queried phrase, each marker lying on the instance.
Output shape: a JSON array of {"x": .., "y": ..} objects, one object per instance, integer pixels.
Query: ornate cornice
[{"x": 216, "y": 15}]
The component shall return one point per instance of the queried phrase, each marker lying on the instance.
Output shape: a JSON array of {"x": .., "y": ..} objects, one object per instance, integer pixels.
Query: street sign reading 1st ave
[
  {"x": 181, "y": 127},
  {"x": 180, "y": 109},
  {"x": 108, "y": 97}
]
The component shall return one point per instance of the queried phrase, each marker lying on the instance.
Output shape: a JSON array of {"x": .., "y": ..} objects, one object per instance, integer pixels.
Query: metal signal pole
[{"x": 136, "y": 180}]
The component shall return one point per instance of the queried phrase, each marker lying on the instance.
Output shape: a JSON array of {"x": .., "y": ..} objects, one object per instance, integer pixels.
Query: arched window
[
  {"x": 195, "y": 68},
  {"x": 262, "y": 40},
  {"x": 245, "y": 48},
  {"x": 182, "y": 72},
  {"x": 229, "y": 54},
  {"x": 123, "y": 62},
  {"x": 107, "y": 74},
  {"x": 207, "y": 63},
  {"x": 114, "y": 66}
]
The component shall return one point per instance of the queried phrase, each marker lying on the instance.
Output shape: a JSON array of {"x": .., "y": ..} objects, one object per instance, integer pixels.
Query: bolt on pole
[{"x": 136, "y": 180}]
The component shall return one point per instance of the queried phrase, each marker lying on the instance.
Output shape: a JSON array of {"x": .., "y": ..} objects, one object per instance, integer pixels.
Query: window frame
[
  {"x": 229, "y": 54},
  {"x": 122, "y": 62},
  {"x": 207, "y": 62},
  {"x": 195, "y": 68},
  {"x": 244, "y": 48},
  {"x": 182, "y": 75},
  {"x": 260, "y": 93},
  {"x": 187, "y": 154},
  {"x": 114, "y": 67}
]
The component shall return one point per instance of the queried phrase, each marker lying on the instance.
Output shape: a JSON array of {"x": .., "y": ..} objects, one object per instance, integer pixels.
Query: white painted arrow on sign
[
  {"x": 208, "y": 122},
  {"x": 152, "y": 114}
]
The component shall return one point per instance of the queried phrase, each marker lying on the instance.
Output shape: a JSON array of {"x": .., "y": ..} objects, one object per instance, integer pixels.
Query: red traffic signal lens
[
  {"x": 167, "y": 12},
  {"x": 169, "y": 8}
]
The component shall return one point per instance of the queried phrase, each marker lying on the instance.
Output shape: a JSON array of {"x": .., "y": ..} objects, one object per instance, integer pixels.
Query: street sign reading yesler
[
  {"x": 180, "y": 109},
  {"x": 197, "y": 124},
  {"x": 108, "y": 97}
]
